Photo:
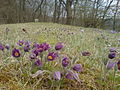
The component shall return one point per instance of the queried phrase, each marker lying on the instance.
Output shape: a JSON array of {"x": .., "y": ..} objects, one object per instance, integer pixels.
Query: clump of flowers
[
  {"x": 43, "y": 56},
  {"x": 113, "y": 62}
]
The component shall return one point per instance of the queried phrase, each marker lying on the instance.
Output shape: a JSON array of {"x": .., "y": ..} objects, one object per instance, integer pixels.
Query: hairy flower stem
[
  {"x": 113, "y": 86},
  {"x": 21, "y": 67},
  {"x": 101, "y": 75}
]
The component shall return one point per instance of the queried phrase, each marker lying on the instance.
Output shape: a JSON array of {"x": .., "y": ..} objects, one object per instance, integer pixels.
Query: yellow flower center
[
  {"x": 50, "y": 57},
  {"x": 118, "y": 65},
  {"x": 21, "y": 43},
  {"x": 66, "y": 61},
  {"x": 16, "y": 54},
  {"x": 39, "y": 48}
]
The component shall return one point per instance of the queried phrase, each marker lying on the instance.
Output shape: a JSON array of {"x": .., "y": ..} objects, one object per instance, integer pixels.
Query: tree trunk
[
  {"x": 23, "y": 11},
  {"x": 114, "y": 19},
  {"x": 69, "y": 11},
  {"x": 104, "y": 13},
  {"x": 58, "y": 12},
  {"x": 55, "y": 12},
  {"x": 20, "y": 4}
]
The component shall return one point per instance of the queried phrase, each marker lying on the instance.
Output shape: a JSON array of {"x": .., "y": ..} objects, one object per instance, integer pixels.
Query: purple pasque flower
[
  {"x": 15, "y": 53},
  {"x": 59, "y": 46},
  {"x": 86, "y": 53},
  {"x": 118, "y": 64},
  {"x": 35, "y": 51},
  {"x": 26, "y": 48},
  {"x": 39, "y": 48},
  {"x": 76, "y": 77},
  {"x": 57, "y": 75},
  {"x": 112, "y": 50},
  {"x": 7, "y": 46},
  {"x": 27, "y": 44},
  {"x": 118, "y": 40},
  {"x": 42, "y": 47},
  {"x": 35, "y": 45},
  {"x": 65, "y": 62},
  {"x": 32, "y": 56},
  {"x": 51, "y": 56},
  {"x": 110, "y": 65},
  {"x": 112, "y": 31},
  {"x": 38, "y": 62},
  {"x": 69, "y": 75},
  {"x": 45, "y": 46},
  {"x": 112, "y": 55},
  {"x": 1, "y": 47},
  {"x": 20, "y": 42},
  {"x": 77, "y": 67}
]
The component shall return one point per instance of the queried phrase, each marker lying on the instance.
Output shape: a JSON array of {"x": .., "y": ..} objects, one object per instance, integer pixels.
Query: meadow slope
[{"x": 94, "y": 74}]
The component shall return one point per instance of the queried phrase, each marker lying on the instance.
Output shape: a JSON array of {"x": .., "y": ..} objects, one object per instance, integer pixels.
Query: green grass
[{"x": 75, "y": 42}]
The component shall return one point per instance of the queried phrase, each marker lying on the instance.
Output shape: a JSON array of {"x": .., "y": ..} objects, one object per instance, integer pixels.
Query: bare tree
[
  {"x": 87, "y": 13},
  {"x": 115, "y": 13}
]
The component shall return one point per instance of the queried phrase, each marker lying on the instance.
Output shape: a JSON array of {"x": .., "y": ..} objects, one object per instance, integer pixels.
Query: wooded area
[{"x": 87, "y": 13}]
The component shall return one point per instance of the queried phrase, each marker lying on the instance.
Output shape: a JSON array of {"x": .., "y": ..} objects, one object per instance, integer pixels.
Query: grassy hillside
[{"x": 94, "y": 74}]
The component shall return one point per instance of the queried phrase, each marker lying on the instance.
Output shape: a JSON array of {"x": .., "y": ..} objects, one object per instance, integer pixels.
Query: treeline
[{"x": 87, "y": 13}]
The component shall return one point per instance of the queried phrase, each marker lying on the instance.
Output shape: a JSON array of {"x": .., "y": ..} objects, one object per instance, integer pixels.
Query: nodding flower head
[
  {"x": 77, "y": 67},
  {"x": 110, "y": 65},
  {"x": 112, "y": 55},
  {"x": 65, "y": 62},
  {"x": 38, "y": 63},
  {"x": 86, "y": 53},
  {"x": 112, "y": 50},
  {"x": 7, "y": 46},
  {"x": 59, "y": 46},
  {"x": 69, "y": 75},
  {"x": 57, "y": 75}
]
